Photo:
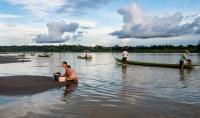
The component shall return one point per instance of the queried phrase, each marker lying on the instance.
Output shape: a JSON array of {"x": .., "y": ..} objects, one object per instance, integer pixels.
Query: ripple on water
[{"x": 109, "y": 89}]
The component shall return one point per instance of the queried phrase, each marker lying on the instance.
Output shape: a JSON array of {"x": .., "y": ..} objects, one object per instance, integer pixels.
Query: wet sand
[
  {"x": 12, "y": 59},
  {"x": 26, "y": 85}
]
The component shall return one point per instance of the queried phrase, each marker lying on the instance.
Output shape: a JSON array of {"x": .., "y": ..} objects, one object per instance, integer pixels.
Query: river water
[{"x": 106, "y": 90}]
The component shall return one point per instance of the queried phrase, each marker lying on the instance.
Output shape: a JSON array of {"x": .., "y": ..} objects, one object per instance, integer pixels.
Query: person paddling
[
  {"x": 124, "y": 57},
  {"x": 184, "y": 57},
  {"x": 69, "y": 73}
]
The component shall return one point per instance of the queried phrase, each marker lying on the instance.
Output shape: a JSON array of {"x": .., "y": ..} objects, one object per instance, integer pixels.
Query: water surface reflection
[{"x": 105, "y": 89}]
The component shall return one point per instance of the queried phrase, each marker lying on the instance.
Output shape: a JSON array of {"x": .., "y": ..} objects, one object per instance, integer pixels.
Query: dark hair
[
  {"x": 64, "y": 62},
  {"x": 69, "y": 66}
]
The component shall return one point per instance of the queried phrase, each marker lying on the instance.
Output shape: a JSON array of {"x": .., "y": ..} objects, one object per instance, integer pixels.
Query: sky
[{"x": 99, "y": 22}]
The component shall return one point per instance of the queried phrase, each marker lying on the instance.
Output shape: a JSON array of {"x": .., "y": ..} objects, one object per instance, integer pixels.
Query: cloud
[
  {"x": 79, "y": 7},
  {"x": 98, "y": 35},
  {"x": 58, "y": 32},
  {"x": 86, "y": 27},
  {"x": 38, "y": 7},
  {"x": 8, "y": 16},
  {"x": 17, "y": 34},
  {"x": 137, "y": 25},
  {"x": 78, "y": 35},
  {"x": 45, "y": 7}
]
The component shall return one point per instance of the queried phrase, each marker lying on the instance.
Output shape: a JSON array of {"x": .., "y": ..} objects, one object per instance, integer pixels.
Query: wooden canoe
[
  {"x": 44, "y": 55},
  {"x": 83, "y": 57},
  {"x": 189, "y": 66}
]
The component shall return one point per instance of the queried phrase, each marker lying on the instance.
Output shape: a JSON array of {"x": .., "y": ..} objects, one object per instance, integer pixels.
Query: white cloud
[
  {"x": 58, "y": 32},
  {"x": 79, "y": 7},
  {"x": 138, "y": 25},
  {"x": 8, "y": 16},
  {"x": 39, "y": 7},
  {"x": 84, "y": 22},
  {"x": 45, "y": 7},
  {"x": 98, "y": 36},
  {"x": 17, "y": 34}
]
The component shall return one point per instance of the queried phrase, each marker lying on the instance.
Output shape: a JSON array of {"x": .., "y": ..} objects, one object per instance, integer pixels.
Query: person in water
[
  {"x": 69, "y": 73},
  {"x": 124, "y": 57},
  {"x": 184, "y": 57}
]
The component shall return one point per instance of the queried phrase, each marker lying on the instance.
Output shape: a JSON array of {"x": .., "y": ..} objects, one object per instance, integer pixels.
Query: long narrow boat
[
  {"x": 44, "y": 55},
  {"x": 22, "y": 55},
  {"x": 83, "y": 57},
  {"x": 189, "y": 66}
]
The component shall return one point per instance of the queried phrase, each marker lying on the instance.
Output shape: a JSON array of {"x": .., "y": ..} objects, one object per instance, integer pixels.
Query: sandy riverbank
[
  {"x": 26, "y": 85},
  {"x": 12, "y": 59}
]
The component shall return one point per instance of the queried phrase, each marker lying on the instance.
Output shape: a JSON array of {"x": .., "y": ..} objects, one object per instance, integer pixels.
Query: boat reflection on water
[
  {"x": 183, "y": 77},
  {"x": 70, "y": 87},
  {"x": 124, "y": 72}
]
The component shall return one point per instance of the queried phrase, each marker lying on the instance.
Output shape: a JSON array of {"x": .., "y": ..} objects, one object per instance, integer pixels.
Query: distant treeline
[{"x": 116, "y": 48}]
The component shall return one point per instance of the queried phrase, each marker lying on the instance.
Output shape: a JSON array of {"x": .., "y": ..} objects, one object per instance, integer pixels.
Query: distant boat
[
  {"x": 44, "y": 55},
  {"x": 32, "y": 53},
  {"x": 22, "y": 55},
  {"x": 84, "y": 57},
  {"x": 189, "y": 66}
]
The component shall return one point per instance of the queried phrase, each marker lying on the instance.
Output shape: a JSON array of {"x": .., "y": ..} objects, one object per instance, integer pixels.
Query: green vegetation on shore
[{"x": 79, "y": 48}]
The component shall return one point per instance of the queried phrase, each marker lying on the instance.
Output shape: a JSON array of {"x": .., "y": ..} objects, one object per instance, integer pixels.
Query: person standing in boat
[
  {"x": 124, "y": 57},
  {"x": 184, "y": 57}
]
